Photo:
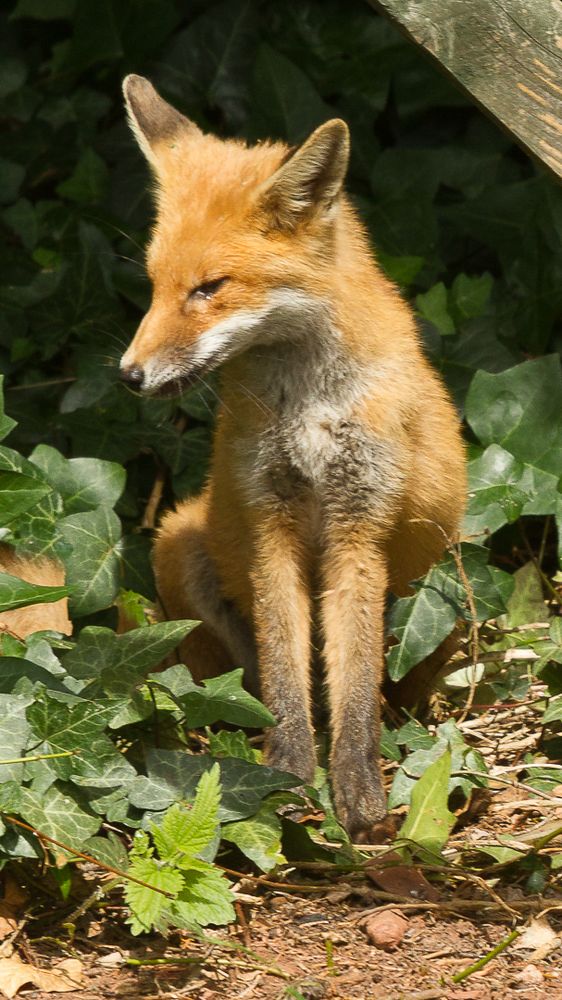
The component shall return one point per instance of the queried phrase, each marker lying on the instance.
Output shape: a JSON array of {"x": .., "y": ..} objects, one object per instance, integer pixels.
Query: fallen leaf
[
  {"x": 13, "y": 900},
  {"x": 8, "y": 922},
  {"x": 113, "y": 960},
  {"x": 538, "y": 938},
  {"x": 62, "y": 978},
  {"x": 530, "y": 974},
  {"x": 472, "y": 993},
  {"x": 401, "y": 879},
  {"x": 386, "y": 929},
  {"x": 344, "y": 891}
]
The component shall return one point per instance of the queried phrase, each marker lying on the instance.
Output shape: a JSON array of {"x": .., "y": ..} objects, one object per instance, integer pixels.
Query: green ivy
[{"x": 467, "y": 226}]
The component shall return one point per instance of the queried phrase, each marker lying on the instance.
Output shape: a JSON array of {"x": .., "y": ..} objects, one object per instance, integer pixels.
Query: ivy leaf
[
  {"x": 223, "y": 698},
  {"x": 172, "y": 776},
  {"x": 21, "y": 485},
  {"x": 526, "y": 603},
  {"x": 423, "y": 621},
  {"x": 184, "y": 833},
  {"x": 14, "y": 734},
  {"x": 17, "y": 593},
  {"x": 286, "y": 104},
  {"x": 495, "y": 493},
  {"x": 212, "y": 58},
  {"x": 553, "y": 712},
  {"x": 6, "y": 423},
  {"x": 226, "y": 743},
  {"x": 63, "y": 726},
  {"x": 58, "y": 813},
  {"x": 433, "y": 306},
  {"x": 11, "y": 177},
  {"x": 420, "y": 623},
  {"x": 551, "y": 652},
  {"x": 520, "y": 410},
  {"x": 19, "y": 676},
  {"x": 109, "y": 849},
  {"x": 84, "y": 483},
  {"x": 258, "y": 837},
  {"x": 87, "y": 184},
  {"x": 92, "y": 567},
  {"x": 103, "y": 768},
  {"x": 469, "y": 295},
  {"x": 402, "y": 270},
  {"x": 120, "y": 661},
  {"x": 44, "y": 10},
  {"x": 429, "y": 821},
  {"x": 10, "y": 795},
  {"x": 28, "y": 504},
  {"x": 429, "y": 748},
  {"x": 462, "y": 356}
]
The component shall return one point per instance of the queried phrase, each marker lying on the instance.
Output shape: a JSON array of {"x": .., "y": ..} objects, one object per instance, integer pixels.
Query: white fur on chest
[
  {"x": 309, "y": 437},
  {"x": 309, "y": 391}
]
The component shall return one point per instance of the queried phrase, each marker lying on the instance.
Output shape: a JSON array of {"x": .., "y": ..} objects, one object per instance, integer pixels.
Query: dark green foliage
[
  {"x": 460, "y": 219},
  {"x": 435, "y": 181}
]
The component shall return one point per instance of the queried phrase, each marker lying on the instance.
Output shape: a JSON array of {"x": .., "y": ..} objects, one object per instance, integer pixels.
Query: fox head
[{"x": 242, "y": 244}]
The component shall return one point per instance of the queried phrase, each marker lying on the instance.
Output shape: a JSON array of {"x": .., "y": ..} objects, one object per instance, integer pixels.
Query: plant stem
[
  {"x": 140, "y": 962},
  {"x": 85, "y": 857},
  {"x": 154, "y": 500},
  {"x": 474, "y": 627},
  {"x": 41, "y": 385},
  {"x": 546, "y": 582},
  {"x": 330, "y": 964},
  {"x": 471, "y": 969},
  {"x": 285, "y": 886},
  {"x": 261, "y": 965},
  {"x": 40, "y": 756}
]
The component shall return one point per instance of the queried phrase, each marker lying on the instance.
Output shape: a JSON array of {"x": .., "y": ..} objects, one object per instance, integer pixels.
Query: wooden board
[{"x": 507, "y": 55}]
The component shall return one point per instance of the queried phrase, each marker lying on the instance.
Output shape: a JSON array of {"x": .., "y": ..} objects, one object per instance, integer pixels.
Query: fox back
[{"x": 338, "y": 468}]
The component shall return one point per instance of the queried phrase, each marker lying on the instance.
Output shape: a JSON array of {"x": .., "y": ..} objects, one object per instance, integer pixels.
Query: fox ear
[
  {"x": 311, "y": 180},
  {"x": 151, "y": 118}
]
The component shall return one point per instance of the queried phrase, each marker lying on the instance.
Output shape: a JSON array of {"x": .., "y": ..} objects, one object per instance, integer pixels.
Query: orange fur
[{"x": 359, "y": 484}]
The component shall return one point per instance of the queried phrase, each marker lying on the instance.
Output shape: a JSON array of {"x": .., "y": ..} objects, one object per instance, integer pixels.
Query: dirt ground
[
  {"x": 321, "y": 952},
  {"x": 318, "y": 939}
]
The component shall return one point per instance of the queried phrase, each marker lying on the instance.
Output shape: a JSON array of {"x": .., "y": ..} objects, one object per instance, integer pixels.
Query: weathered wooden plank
[{"x": 507, "y": 54}]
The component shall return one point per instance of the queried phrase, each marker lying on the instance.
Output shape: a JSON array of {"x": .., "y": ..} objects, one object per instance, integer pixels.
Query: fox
[{"x": 338, "y": 469}]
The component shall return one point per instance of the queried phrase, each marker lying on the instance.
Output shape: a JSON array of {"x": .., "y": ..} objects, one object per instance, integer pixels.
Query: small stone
[
  {"x": 336, "y": 937},
  {"x": 531, "y": 975},
  {"x": 386, "y": 929}
]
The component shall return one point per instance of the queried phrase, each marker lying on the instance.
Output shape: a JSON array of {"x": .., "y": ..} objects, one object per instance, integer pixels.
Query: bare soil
[
  {"x": 313, "y": 942},
  {"x": 323, "y": 953}
]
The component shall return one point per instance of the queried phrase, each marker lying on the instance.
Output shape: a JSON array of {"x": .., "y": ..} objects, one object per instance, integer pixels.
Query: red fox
[{"x": 338, "y": 469}]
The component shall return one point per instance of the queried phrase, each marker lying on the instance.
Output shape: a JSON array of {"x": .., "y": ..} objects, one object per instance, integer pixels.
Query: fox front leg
[
  {"x": 282, "y": 623},
  {"x": 355, "y": 580}
]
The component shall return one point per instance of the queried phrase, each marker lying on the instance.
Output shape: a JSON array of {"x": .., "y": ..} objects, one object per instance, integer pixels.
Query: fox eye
[{"x": 207, "y": 289}]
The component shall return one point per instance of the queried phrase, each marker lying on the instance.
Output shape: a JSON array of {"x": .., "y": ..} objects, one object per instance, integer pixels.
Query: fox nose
[{"x": 132, "y": 375}]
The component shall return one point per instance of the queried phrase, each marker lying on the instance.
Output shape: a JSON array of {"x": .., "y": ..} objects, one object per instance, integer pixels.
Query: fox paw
[{"x": 381, "y": 832}]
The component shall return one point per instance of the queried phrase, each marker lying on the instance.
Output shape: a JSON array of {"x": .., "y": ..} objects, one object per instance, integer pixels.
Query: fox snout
[
  {"x": 137, "y": 378},
  {"x": 132, "y": 375}
]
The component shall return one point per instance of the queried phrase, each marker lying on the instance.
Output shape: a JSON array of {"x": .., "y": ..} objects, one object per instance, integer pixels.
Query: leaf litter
[{"x": 394, "y": 930}]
